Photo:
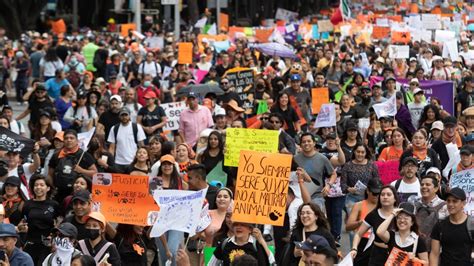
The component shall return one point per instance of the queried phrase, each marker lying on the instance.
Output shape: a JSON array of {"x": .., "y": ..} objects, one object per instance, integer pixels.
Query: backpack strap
[
  {"x": 102, "y": 251},
  {"x": 82, "y": 245},
  {"x": 135, "y": 132},
  {"x": 397, "y": 184}
]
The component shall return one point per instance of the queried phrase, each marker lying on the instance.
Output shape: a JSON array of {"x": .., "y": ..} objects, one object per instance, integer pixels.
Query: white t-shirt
[
  {"x": 406, "y": 191},
  {"x": 152, "y": 69},
  {"x": 50, "y": 67},
  {"x": 28, "y": 174},
  {"x": 133, "y": 112},
  {"x": 468, "y": 56},
  {"x": 17, "y": 127},
  {"x": 415, "y": 112},
  {"x": 125, "y": 146}
]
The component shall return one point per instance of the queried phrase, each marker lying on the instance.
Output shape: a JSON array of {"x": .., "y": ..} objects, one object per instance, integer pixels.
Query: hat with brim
[
  {"x": 418, "y": 91},
  {"x": 232, "y": 104},
  {"x": 313, "y": 243},
  {"x": 66, "y": 229},
  {"x": 13, "y": 180},
  {"x": 408, "y": 208},
  {"x": 408, "y": 160},
  {"x": 457, "y": 193},
  {"x": 96, "y": 216},
  {"x": 437, "y": 125},
  {"x": 7, "y": 230}
]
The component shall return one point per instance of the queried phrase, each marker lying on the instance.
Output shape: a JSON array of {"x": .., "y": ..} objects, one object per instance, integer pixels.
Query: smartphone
[
  {"x": 104, "y": 158},
  {"x": 2, "y": 255}
]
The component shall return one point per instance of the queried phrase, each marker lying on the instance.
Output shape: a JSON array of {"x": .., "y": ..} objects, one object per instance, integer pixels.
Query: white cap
[
  {"x": 417, "y": 90},
  {"x": 378, "y": 50},
  {"x": 116, "y": 97},
  {"x": 412, "y": 59},
  {"x": 437, "y": 125},
  {"x": 437, "y": 57},
  {"x": 219, "y": 111},
  {"x": 433, "y": 170},
  {"x": 414, "y": 80}
]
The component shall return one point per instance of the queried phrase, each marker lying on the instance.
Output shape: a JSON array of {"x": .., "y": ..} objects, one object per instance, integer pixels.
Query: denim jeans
[
  {"x": 174, "y": 238},
  {"x": 334, "y": 207}
]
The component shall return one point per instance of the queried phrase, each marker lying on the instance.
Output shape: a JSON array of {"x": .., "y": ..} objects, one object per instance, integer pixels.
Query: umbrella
[
  {"x": 200, "y": 89},
  {"x": 274, "y": 48}
]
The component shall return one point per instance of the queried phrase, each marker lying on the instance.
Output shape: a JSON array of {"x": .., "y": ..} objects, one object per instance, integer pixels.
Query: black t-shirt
[
  {"x": 40, "y": 217},
  {"x": 465, "y": 98},
  {"x": 35, "y": 107},
  {"x": 230, "y": 249},
  {"x": 420, "y": 248},
  {"x": 220, "y": 69},
  {"x": 81, "y": 228},
  {"x": 378, "y": 256},
  {"x": 226, "y": 97},
  {"x": 454, "y": 242},
  {"x": 290, "y": 117},
  {"x": 132, "y": 254},
  {"x": 151, "y": 118},
  {"x": 109, "y": 119},
  {"x": 345, "y": 77},
  {"x": 86, "y": 161}
]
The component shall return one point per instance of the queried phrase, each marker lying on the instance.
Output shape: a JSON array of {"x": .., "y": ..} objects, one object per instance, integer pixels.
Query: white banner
[
  {"x": 387, "y": 108},
  {"x": 465, "y": 181},
  {"x": 399, "y": 51},
  {"x": 326, "y": 116},
  {"x": 173, "y": 112},
  {"x": 84, "y": 138}
]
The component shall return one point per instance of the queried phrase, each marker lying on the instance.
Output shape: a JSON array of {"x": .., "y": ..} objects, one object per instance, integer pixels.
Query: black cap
[
  {"x": 365, "y": 88},
  {"x": 67, "y": 229},
  {"x": 40, "y": 87},
  {"x": 314, "y": 243},
  {"x": 408, "y": 208},
  {"x": 191, "y": 94},
  {"x": 458, "y": 193},
  {"x": 399, "y": 95},
  {"x": 450, "y": 121},
  {"x": 409, "y": 160},
  {"x": 82, "y": 195},
  {"x": 13, "y": 180},
  {"x": 44, "y": 113},
  {"x": 5, "y": 107},
  {"x": 386, "y": 118},
  {"x": 390, "y": 78},
  {"x": 331, "y": 135},
  {"x": 351, "y": 126},
  {"x": 466, "y": 150},
  {"x": 374, "y": 185},
  {"x": 82, "y": 94}
]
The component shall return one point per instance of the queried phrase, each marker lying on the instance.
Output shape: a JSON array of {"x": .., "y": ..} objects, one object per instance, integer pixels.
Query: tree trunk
[{"x": 17, "y": 16}]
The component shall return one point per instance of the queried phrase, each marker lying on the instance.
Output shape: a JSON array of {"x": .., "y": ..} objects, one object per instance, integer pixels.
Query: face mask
[
  {"x": 62, "y": 244},
  {"x": 146, "y": 83},
  {"x": 93, "y": 233}
]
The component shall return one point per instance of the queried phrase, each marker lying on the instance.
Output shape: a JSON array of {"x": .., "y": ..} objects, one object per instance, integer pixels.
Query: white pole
[
  {"x": 138, "y": 15},
  {"x": 177, "y": 20}
]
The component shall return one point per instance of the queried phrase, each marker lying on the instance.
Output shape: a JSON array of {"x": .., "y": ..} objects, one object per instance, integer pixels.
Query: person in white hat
[
  {"x": 439, "y": 71},
  {"x": 436, "y": 129},
  {"x": 416, "y": 107}
]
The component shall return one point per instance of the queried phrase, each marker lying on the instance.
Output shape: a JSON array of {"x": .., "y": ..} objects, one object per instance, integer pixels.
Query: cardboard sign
[
  {"x": 388, "y": 171},
  {"x": 380, "y": 32},
  {"x": 185, "y": 53},
  {"x": 173, "y": 112},
  {"x": 399, "y": 51},
  {"x": 465, "y": 181},
  {"x": 224, "y": 20},
  {"x": 325, "y": 25},
  {"x": 125, "y": 28},
  {"x": 124, "y": 198},
  {"x": 319, "y": 96},
  {"x": 399, "y": 257},
  {"x": 401, "y": 37},
  {"x": 430, "y": 21},
  {"x": 242, "y": 80},
  {"x": 287, "y": 15},
  {"x": 239, "y": 139},
  {"x": 444, "y": 36},
  {"x": 261, "y": 188},
  {"x": 262, "y": 35}
]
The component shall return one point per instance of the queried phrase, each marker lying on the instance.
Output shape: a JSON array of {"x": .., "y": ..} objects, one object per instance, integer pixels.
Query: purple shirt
[{"x": 191, "y": 123}]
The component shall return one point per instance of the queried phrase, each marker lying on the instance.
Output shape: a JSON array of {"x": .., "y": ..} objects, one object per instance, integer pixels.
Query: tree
[{"x": 17, "y": 16}]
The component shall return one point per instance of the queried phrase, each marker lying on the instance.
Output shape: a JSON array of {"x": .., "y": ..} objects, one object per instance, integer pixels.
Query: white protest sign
[
  {"x": 180, "y": 210},
  {"x": 465, "y": 181},
  {"x": 84, "y": 138},
  {"x": 387, "y": 108},
  {"x": 212, "y": 30},
  {"x": 325, "y": 25},
  {"x": 201, "y": 23},
  {"x": 347, "y": 261},
  {"x": 167, "y": 71},
  {"x": 287, "y": 15},
  {"x": 173, "y": 112},
  {"x": 155, "y": 42},
  {"x": 450, "y": 49},
  {"x": 414, "y": 21},
  {"x": 430, "y": 21},
  {"x": 326, "y": 116},
  {"x": 444, "y": 36},
  {"x": 399, "y": 51},
  {"x": 290, "y": 28}
]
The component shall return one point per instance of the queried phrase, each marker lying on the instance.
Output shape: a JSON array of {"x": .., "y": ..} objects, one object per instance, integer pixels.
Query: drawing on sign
[{"x": 243, "y": 82}]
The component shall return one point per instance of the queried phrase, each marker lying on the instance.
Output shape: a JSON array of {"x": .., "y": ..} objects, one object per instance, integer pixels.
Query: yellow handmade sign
[
  {"x": 261, "y": 188},
  {"x": 124, "y": 198},
  {"x": 238, "y": 139}
]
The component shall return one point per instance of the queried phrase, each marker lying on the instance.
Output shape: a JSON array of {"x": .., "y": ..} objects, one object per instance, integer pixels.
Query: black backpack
[
  {"x": 64, "y": 174},
  {"x": 427, "y": 217},
  {"x": 134, "y": 128}
]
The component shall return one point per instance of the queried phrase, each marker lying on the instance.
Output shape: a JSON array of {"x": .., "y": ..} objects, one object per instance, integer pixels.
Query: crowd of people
[{"x": 71, "y": 84}]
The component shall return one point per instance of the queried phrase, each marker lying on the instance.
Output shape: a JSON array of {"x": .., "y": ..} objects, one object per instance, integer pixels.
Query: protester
[
  {"x": 13, "y": 255},
  {"x": 63, "y": 242}
]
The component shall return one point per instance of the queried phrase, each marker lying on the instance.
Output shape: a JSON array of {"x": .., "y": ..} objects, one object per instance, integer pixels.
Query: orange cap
[
  {"x": 167, "y": 158},
  {"x": 96, "y": 216}
]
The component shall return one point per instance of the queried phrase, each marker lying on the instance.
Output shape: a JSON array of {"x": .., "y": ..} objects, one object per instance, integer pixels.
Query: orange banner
[
  {"x": 319, "y": 97},
  {"x": 224, "y": 20},
  {"x": 185, "y": 53},
  {"x": 262, "y": 35},
  {"x": 379, "y": 32},
  {"x": 124, "y": 198},
  {"x": 125, "y": 28},
  {"x": 401, "y": 37},
  {"x": 261, "y": 188}
]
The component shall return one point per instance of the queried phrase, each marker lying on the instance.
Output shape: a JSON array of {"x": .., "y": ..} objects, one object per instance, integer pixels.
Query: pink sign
[{"x": 388, "y": 171}]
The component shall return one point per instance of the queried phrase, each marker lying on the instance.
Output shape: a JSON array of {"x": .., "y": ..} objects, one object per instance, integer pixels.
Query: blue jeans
[
  {"x": 174, "y": 238},
  {"x": 352, "y": 199},
  {"x": 334, "y": 208}
]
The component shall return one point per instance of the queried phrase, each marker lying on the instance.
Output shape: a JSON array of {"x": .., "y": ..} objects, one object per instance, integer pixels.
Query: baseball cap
[
  {"x": 450, "y": 121},
  {"x": 59, "y": 135},
  {"x": 116, "y": 97},
  {"x": 67, "y": 229},
  {"x": 99, "y": 80},
  {"x": 390, "y": 78},
  {"x": 331, "y": 135},
  {"x": 81, "y": 95},
  {"x": 409, "y": 160},
  {"x": 386, "y": 118},
  {"x": 458, "y": 193},
  {"x": 7, "y": 230},
  {"x": 466, "y": 150},
  {"x": 351, "y": 126},
  {"x": 167, "y": 158},
  {"x": 220, "y": 111},
  {"x": 191, "y": 94},
  {"x": 408, "y": 208},
  {"x": 124, "y": 110},
  {"x": 433, "y": 170},
  {"x": 44, "y": 113},
  {"x": 150, "y": 95},
  {"x": 96, "y": 216},
  {"x": 412, "y": 59},
  {"x": 314, "y": 243},
  {"x": 415, "y": 80},
  {"x": 365, "y": 88},
  {"x": 295, "y": 77},
  {"x": 13, "y": 180},
  {"x": 83, "y": 195},
  {"x": 374, "y": 185},
  {"x": 437, "y": 125},
  {"x": 469, "y": 137},
  {"x": 40, "y": 87},
  {"x": 418, "y": 90}
]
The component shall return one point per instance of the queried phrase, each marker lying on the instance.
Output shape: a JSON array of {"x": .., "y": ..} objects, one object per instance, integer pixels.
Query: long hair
[
  {"x": 321, "y": 222},
  {"x": 220, "y": 155},
  {"x": 20, "y": 192},
  {"x": 127, "y": 233},
  {"x": 36, "y": 177},
  {"x": 414, "y": 227},
  {"x": 424, "y": 114},
  {"x": 51, "y": 55},
  {"x": 148, "y": 162},
  {"x": 395, "y": 195},
  {"x": 174, "y": 179},
  {"x": 368, "y": 154},
  {"x": 405, "y": 139}
]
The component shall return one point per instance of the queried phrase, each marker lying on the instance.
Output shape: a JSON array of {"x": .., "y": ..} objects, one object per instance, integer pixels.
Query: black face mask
[{"x": 92, "y": 234}]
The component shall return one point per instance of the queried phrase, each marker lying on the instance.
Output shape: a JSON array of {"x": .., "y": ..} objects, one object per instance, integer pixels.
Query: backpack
[
  {"x": 74, "y": 77},
  {"x": 64, "y": 174},
  {"x": 99, "y": 254},
  {"x": 134, "y": 128},
  {"x": 74, "y": 254},
  {"x": 427, "y": 217},
  {"x": 143, "y": 68}
]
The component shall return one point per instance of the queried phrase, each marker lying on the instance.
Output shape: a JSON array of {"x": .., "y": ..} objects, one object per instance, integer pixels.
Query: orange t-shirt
[{"x": 390, "y": 153}]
